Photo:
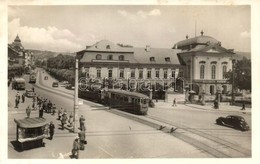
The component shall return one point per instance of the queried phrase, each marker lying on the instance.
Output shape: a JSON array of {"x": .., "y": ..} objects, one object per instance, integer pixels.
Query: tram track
[{"x": 210, "y": 144}]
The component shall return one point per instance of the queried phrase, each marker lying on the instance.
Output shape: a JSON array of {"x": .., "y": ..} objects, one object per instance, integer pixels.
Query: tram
[
  {"x": 32, "y": 78},
  {"x": 132, "y": 102},
  {"x": 18, "y": 84}
]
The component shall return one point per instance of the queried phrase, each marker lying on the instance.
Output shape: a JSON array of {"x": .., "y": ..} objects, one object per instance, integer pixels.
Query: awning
[{"x": 31, "y": 122}]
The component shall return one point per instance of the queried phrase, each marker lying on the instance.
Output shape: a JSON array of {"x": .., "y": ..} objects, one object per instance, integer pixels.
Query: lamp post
[
  {"x": 76, "y": 102},
  {"x": 233, "y": 76}
]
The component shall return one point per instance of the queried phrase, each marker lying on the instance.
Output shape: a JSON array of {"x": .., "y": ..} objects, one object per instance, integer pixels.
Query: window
[
  {"x": 98, "y": 72},
  {"x": 167, "y": 59},
  {"x": 173, "y": 74},
  {"x": 132, "y": 73},
  {"x": 98, "y": 57},
  {"x": 108, "y": 47},
  {"x": 202, "y": 71},
  {"x": 140, "y": 74},
  {"x": 121, "y": 73},
  {"x": 152, "y": 59},
  {"x": 121, "y": 57},
  {"x": 110, "y": 73},
  {"x": 213, "y": 72},
  {"x": 149, "y": 72},
  {"x": 157, "y": 73},
  {"x": 224, "y": 70},
  {"x": 110, "y": 57},
  {"x": 165, "y": 74}
]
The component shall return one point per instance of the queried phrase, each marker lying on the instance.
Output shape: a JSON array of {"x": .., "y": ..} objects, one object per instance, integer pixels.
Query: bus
[{"x": 18, "y": 84}]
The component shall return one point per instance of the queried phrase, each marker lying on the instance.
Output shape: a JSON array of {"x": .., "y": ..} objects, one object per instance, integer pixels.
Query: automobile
[
  {"x": 55, "y": 84},
  {"x": 29, "y": 93},
  {"x": 63, "y": 83},
  {"x": 234, "y": 121},
  {"x": 70, "y": 86}
]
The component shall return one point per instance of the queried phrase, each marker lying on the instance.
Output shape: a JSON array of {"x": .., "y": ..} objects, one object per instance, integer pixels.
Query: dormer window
[
  {"x": 152, "y": 59},
  {"x": 110, "y": 57},
  {"x": 167, "y": 59},
  {"x": 108, "y": 47},
  {"x": 98, "y": 57}
]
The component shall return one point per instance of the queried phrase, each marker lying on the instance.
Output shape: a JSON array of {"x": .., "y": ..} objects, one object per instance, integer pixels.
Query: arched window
[
  {"x": 202, "y": 71},
  {"x": 98, "y": 57},
  {"x": 108, "y": 47},
  {"x": 121, "y": 57},
  {"x": 224, "y": 71},
  {"x": 213, "y": 72},
  {"x": 110, "y": 57}
]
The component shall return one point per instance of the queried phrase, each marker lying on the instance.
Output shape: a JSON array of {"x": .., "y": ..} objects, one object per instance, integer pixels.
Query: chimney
[{"x": 147, "y": 48}]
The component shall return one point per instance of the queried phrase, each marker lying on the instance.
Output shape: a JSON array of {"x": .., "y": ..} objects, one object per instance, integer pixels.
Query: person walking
[
  {"x": 51, "y": 130},
  {"x": 23, "y": 98},
  {"x": 243, "y": 106},
  {"x": 41, "y": 112},
  {"x": 53, "y": 109},
  {"x": 81, "y": 122},
  {"x": 28, "y": 111},
  {"x": 174, "y": 102},
  {"x": 63, "y": 120},
  {"x": 75, "y": 148},
  {"x": 17, "y": 100},
  {"x": 71, "y": 120},
  {"x": 82, "y": 138},
  {"x": 60, "y": 113}
]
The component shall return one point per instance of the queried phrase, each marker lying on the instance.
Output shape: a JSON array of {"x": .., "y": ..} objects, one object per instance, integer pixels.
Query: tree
[{"x": 242, "y": 74}]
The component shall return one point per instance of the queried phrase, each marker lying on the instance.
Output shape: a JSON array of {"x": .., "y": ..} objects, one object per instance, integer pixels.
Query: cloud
[
  {"x": 50, "y": 38},
  {"x": 155, "y": 12},
  {"x": 140, "y": 14},
  {"x": 245, "y": 34}
]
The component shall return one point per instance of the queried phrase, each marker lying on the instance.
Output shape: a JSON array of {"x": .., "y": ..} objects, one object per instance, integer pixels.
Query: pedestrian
[
  {"x": 16, "y": 102},
  {"x": 60, "y": 111},
  {"x": 33, "y": 89},
  {"x": 71, "y": 119},
  {"x": 28, "y": 111},
  {"x": 243, "y": 106},
  {"x": 23, "y": 98},
  {"x": 41, "y": 112},
  {"x": 51, "y": 130},
  {"x": 82, "y": 138},
  {"x": 49, "y": 106},
  {"x": 53, "y": 109},
  {"x": 81, "y": 122},
  {"x": 174, "y": 102},
  {"x": 75, "y": 148},
  {"x": 63, "y": 120}
]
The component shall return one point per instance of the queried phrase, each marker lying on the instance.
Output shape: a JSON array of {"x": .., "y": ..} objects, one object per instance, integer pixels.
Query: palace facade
[{"x": 206, "y": 63}]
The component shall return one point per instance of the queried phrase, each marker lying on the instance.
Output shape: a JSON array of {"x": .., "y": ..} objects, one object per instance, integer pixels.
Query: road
[{"x": 108, "y": 135}]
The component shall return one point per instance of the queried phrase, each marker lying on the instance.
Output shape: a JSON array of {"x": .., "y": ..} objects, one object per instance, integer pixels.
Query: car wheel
[{"x": 220, "y": 122}]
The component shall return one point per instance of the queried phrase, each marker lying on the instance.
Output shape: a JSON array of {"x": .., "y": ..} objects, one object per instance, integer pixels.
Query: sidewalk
[{"x": 222, "y": 107}]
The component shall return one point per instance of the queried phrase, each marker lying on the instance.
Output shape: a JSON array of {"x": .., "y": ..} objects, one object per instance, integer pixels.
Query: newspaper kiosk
[{"x": 30, "y": 132}]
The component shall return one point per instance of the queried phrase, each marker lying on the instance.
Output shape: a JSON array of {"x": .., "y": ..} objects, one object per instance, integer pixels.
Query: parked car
[
  {"x": 63, "y": 83},
  {"x": 55, "y": 84},
  {"x": 237, "y": 122},
  {"x": 70, "y": 86},
  {"x": 29, "y": 93}
]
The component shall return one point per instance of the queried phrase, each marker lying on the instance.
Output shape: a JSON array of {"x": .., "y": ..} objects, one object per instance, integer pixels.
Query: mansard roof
[{"x": 198, "y": 40}]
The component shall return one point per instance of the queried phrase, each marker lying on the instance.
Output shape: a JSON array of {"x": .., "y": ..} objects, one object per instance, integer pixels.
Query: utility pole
[{"x": 76, "y": 102}]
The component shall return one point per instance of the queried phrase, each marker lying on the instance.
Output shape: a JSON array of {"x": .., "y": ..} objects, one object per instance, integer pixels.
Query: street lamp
[
  {"x": 233, "y": 80},
  {"x": 76, "y": 102}
]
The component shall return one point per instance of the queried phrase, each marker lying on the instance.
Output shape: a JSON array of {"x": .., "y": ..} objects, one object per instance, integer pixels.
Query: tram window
[
  {"x": 126, "y": 99},
  {"x": 144, "y": 101},
  {"x": 133, "y": 100},
  {"x": 141, "y": 100},
  {"x": 112, "y": 95}
]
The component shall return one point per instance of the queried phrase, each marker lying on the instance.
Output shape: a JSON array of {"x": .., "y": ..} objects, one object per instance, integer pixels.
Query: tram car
[
  {"x": 92, "y": 95},
  {"x": 131, "y": 102},
  {"x": 18, "y": 84},
  {"x": 32, "y": 78}
]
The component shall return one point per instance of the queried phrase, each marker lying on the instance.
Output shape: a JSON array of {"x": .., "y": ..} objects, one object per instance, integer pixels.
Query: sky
[{"x": 71, "y": 28}]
